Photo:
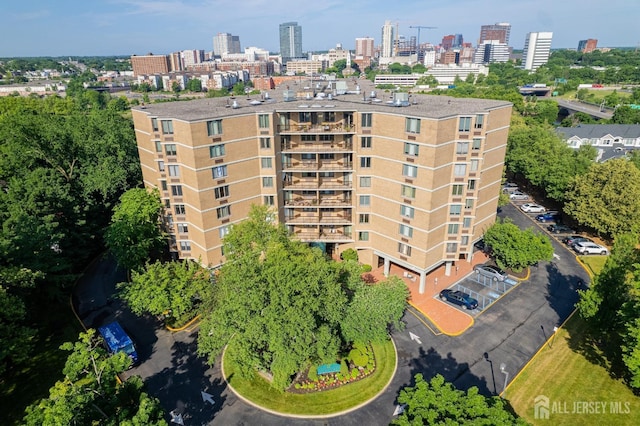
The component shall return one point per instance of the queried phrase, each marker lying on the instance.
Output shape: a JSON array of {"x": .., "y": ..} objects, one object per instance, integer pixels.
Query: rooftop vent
[{"x": 235, "y": 105}]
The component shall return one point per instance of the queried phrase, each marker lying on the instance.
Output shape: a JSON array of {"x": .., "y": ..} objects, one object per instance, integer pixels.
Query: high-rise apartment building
[
  {"x": 491, "y": 51},
  {"x": 499, "y": 31},
  {"x": 587, "y": 46},
  {"x": 413, "y": 183},
  {"x": 387, "y": 43},
  {"x": 224, "y": 43},
  {"x": 150, "y": 64},
  {"x": 290, "y": 41},
  {"x": 364, "y": 47},
  {"x": 537, "y": 48}
]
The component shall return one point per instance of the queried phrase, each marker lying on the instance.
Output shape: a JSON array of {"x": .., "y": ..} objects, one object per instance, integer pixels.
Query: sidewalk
[{"x": 447, "y": 318}]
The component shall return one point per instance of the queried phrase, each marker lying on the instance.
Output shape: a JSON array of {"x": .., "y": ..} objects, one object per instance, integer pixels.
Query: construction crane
[{"x": 419, "y": 27}]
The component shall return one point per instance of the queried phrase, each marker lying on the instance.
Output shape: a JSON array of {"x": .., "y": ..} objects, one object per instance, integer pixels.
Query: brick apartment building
[
  {"x": 151, "y": 64},
  {"x": 412, "y": 181}
]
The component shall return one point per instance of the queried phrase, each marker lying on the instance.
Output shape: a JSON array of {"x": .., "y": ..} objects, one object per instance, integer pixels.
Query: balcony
[
  {"x": 308, "y": 166},
  {"x": 338, "y": 127},
  {"x": 342, "y": 202},
  {"x": 316, "y": 184},
  {"x": 322, "y": 219},
  {"x": 335, "y": 146},
  {"x": 334, "y": 237}
]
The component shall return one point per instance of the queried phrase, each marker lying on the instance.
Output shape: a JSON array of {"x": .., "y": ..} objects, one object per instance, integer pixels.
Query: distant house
[{"x": 601, "y": 135}]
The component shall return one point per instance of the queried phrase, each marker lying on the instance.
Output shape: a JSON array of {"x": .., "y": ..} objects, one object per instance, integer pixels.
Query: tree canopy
[{"x": 437, "y": 402}]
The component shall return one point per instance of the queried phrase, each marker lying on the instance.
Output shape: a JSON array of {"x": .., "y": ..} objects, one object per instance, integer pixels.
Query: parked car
[
  {"x": 517, "y": 195},
  {"x": 548, "y": 217},
  {"x": 509, "y": 187},
  {"x": 491, "y": 271},
  {"x": 588, "y": 247},
  {"x": 560, "y": 229},
  {"x": 532, "y": 208},
  {"x": 573, "y": 239},
  {"x": 459, "y": 298}
]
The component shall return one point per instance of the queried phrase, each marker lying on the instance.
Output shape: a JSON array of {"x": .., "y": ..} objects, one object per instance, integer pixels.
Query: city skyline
[{"x": 126, "y": 27}]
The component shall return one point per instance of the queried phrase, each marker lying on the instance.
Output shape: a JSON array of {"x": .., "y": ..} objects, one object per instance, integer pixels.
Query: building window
[
  {"x": 263, "y": 121},
  {"x": 180, "y": 209},
  {"x": 476, "y": 144},
  {"x": 364, "y": 218},
  {"x": 407, "y": 211},
  {"x": 408, "y": 191},
  {"x": 267, "y": 182},
  {"x": 365, "y": 200},
  {"x": 412, "y": 125},
  {"x": 460, "y": 169},
  {"x": 158, "y": 146},
  {"x": 457, "y": 190},
  {"x": 167, "y": 203},
  {"x": 154, "y": 124},
  {"x": 224, "y": 231},
  {"x": 464, "y": 124},
  {"x": 404, "y": 249},
  {"x": 365, "y": 142},
  {"x": 363, "y": 236},
  {"x": 479, "y": 121},
  {"x": 161, "y": 166},
  {"x": 265, "y": 163},
  {"x": 466, "y": 222},
  {"x": 464, "y": 240},
  {"x": 183, "y": 228},
  {"x": 330, "y": 116},
  {"x": 471, "y": 185},
  {"x": 462, "y": 147},
  {"x": 224, "y": 211},
  {"x": 409, "y": 171},
  {"x": 365, "y": 162},
  {"x": 366, "y": 120},
  {"x": 265, "y": 143},
  {"x": 214, "y": 127},
  {"x": 327, "y": 174},
  {"x": 170, "y": 149},
  {"x": 455, "y": 209},
  {"x": 453, "y": 228},
  {"x": 326, "y": 156},
  {"x": 221, "y": 191},
  {"x": 365, "y": 181},
  {"x": 405, "y": 230},
  {"x": 452, "y": 247},
  {"x": 170, "y": 220},
  {"x": 326, "y": 138},
  {"x": 269, "y": 200},
  {"x": 468, "y": 203},
  {"x": 167, "y": 127},
  {"x": 174, "y": 170},
  {"x": 163, "y": 185},
  {"x": 474, "y": 165},
  {"x": 216, "y": 151},
  {"x": 411, "y": 149},
  {"x": 185, "y": 246},
  {"x": 219, "y": 172},
  {"x": 308, "y": 138},
  {"x": 304, "y": 117},
  {"x": 176, "y": 190}
]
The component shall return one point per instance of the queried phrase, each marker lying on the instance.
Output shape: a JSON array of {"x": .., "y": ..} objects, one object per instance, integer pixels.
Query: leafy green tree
[
  {"x": 437, "y": 402},
  {"x": 515, "y": 248},
  {"x": 91, "y": 394},
  {"x": 349, "y": 254},
  {"x": 194, "y": 85},
  {"x": 134, "y": 234},
  {"x": 606, "y": 198},
  {"x": 172, "y": 289}
]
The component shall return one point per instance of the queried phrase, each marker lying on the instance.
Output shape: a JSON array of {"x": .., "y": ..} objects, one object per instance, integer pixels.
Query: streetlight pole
[{"x": 506, "y": 378}]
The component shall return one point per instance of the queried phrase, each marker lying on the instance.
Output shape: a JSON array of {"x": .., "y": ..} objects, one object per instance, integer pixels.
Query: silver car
[{"x": 491, "y": 271}]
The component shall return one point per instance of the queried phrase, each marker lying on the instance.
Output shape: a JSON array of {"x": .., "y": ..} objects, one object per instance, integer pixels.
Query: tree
[
  {"x": 514, "y": 248},
  {"x": 172, "y": 288},
  {"x": 606, "y": 198},
  {"x": 90, "y": 392},
  {"x": 134, "y": 233},
  {"x": 194, "y": 85},
  {"x": 437, "y": 402}
]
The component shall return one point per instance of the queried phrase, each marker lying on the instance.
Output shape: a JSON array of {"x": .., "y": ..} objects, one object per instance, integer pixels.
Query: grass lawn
[
  {"x": 571, "y": 370},
  {"x": 594, "y": 264},
  {"x": 257, "y": 390},
  {"x": 22, "y": 386}
]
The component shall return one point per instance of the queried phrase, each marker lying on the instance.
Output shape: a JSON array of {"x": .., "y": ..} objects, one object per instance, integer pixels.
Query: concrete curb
[{"x": 196, "y": 318}]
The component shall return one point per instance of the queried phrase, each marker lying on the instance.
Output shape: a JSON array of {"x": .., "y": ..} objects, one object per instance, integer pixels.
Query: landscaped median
[{"x": 257, "y": 391}]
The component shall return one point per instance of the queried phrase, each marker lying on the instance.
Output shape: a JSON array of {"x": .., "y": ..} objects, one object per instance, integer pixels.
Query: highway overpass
[{"x": 577, "y": 106}]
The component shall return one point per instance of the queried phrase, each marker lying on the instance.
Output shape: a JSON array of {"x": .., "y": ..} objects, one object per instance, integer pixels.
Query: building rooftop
[
  {"x": 596, "y": 131},
  {"x": 320, "y": 95}
]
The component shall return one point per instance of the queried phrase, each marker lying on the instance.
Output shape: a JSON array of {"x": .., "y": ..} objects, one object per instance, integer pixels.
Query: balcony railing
[
  {"x": 338, "y": 236},
  {"x": 317, "y": 184},
  {"x": 323, "y": 219},
  {"x": 335, "y": 146},
  {"x": 328, "y": 127},
  {"x": 315, "y": 165},
  {"x": 322, "y": 202}
]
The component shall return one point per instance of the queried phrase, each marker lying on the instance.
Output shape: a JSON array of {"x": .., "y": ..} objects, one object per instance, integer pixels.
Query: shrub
[
  {"x": 344, "y": 368},
  {"x": 358, "y": 355},
  {"x": 366, "y": 268},
  {"x": 354, "y": 373},
  {"x": 313, "y": 373},
  {"x": 349, "y": 254},
  {"x": 297, "y": 386}
]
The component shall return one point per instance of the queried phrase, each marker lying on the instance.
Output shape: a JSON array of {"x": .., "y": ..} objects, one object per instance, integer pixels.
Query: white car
[
  {"x": 517, "y": 195},
  {"x": 532, "y": 208},
  {"x": 587, "y": 247}
]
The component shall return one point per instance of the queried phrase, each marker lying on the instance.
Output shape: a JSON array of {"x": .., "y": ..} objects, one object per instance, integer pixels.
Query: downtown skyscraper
[{"x": 290, "y": 41}]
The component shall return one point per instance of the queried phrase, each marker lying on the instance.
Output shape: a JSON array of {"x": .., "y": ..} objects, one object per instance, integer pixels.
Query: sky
[{"x": 127, "y": 27}]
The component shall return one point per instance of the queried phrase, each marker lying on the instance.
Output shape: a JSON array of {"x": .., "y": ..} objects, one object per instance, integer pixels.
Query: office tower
[
  {"x": 537, "y": 47},
  {"x": 499, "y": 31},
  {"x": 412, "y": 182},
  {"x": 151, "y": 64},
  {"x": 387, "y": 43},
  {"x": 290, "y": 41},
  {"x": 447, "y": 41},
  {"x": 224, "y": 43},
  {"x": 364, "y": 47},
  {"x": 458, "y": 40},
  {"x": 491, "y": 51},
  {"x": 587, "y": 46},
  {"x": 429, "y": 57},
  {"x": 191, "y": 57}
]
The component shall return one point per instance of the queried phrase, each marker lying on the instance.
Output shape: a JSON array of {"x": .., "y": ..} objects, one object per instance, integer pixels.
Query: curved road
[{"x": 510, "y": 332}]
